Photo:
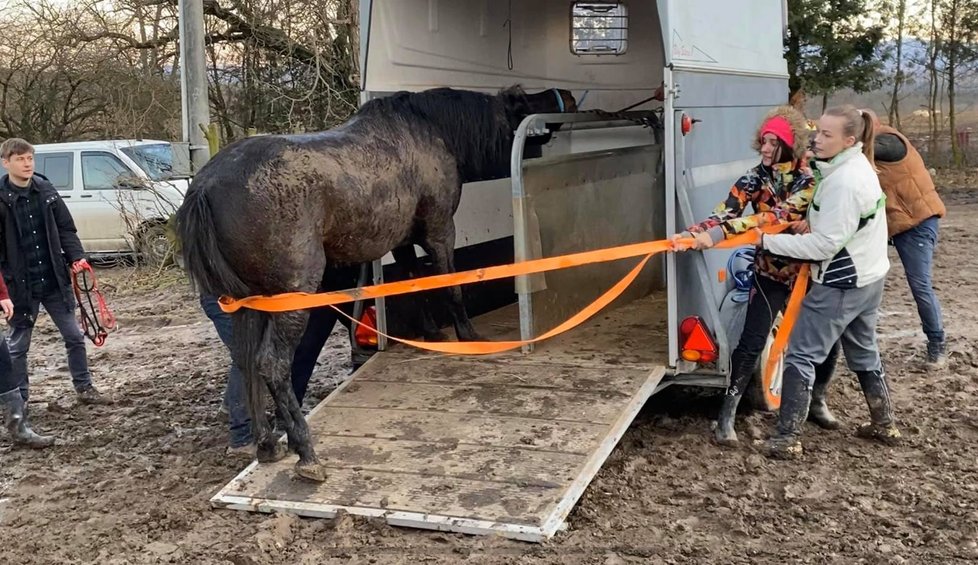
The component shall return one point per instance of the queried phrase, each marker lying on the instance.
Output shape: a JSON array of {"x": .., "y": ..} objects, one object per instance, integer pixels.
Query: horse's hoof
[
  {"x": 436, "y": 336},
  {"x": 472, "y": 337},
  {"x": 725, "y": 438},
  {"x": 312, "y": 471},
  {"x": 276, "y": 452}
]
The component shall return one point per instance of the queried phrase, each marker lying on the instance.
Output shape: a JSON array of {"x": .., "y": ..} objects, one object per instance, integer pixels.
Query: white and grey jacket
[{"x": 848, "y": 237}]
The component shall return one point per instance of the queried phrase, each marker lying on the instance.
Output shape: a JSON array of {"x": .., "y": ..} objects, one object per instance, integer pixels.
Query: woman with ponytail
[
  {"x": 847, "y": 243},
  {"x": 779, "y": 189},
  {"x": 913, "y": 213}
]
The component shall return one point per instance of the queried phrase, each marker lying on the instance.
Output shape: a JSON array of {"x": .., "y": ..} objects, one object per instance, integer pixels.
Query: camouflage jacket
[{"x": 777, "y": 194}]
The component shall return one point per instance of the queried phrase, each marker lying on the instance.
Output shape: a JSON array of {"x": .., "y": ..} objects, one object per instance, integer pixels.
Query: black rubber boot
[
  {"x": 877, "y": 392},
  {"x": 725, "y": 434},
  {"x": 795, "y": 399},
  {"x": 742, "y": 372},
  {"x": 16, "y": 423},
  {"x": 819, "y": 412}
]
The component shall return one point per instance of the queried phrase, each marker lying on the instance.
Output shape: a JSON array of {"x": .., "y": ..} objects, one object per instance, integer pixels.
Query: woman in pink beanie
[{"x": 779, "y": 189}]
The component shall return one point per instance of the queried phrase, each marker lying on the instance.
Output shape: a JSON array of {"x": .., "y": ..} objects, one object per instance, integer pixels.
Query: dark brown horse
[{"x": 268, "y": 214}]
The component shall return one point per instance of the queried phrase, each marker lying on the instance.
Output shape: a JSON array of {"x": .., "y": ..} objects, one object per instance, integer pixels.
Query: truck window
[
  {"x": 57, "y": 167},
  {"x": 599, "y": 28},
  {"x": 102, "y": 171},
  {"x": 155, "y": 160}
]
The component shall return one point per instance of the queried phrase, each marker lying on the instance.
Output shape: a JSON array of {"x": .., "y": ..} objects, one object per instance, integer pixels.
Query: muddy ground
[{"x": 130, "y": 483}]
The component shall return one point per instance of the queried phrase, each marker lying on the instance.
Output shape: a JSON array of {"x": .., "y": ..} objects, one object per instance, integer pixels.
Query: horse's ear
[
  {"x": 516, "y": 90},
  {"x": 515, "y": 101}
]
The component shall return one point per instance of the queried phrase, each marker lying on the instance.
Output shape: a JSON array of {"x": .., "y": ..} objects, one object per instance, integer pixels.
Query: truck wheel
[
  {"x": 766, "y": 395},
  {"x": 153, "y": 245}
]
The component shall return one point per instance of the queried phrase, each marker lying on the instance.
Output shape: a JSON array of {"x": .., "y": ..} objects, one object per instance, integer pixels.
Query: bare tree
[
  {"x": 894, "y": 109},
  {"x": 98, "y": 68},
  {"x": 934, "y": 50},
  {"x": 960, "y": 22}
]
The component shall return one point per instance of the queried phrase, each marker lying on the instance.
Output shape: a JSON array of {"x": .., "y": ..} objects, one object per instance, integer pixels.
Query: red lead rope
[{"x": 96, "y": 320}]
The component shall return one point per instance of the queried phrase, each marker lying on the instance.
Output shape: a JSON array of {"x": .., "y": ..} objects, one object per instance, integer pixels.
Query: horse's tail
[
  {"x": 212, "y": 274},
  {"x": 204, "y": 260},
  {"x": 250, "y": 343}
]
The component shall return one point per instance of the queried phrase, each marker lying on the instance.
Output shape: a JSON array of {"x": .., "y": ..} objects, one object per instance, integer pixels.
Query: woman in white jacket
[{"x": 847, "y": 243}]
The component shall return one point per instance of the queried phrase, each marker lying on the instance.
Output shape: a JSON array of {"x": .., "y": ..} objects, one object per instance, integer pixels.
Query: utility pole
[{"x": 193, "y": 80}]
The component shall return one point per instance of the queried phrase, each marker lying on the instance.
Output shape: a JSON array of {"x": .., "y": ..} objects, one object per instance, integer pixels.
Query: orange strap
[
  {"x": 291, "y": 301},
  {"x": 791, "y": 312},
  {"x": 490, "y": 347},
  {"x": 299, "y": 300}
]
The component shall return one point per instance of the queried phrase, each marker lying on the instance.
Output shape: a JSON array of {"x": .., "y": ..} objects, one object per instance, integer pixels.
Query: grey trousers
[{"x": 829, "y": 315}]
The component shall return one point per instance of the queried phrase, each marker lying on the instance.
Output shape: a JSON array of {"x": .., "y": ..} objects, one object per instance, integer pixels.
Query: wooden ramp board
[{"x": 500, "y": 445}]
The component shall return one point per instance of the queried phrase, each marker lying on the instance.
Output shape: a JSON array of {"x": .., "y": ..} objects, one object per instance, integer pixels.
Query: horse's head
[{"x": 519, "y": 104}]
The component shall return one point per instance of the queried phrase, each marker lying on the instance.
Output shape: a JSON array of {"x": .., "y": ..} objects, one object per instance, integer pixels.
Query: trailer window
[{"x": 599, "y": 28}]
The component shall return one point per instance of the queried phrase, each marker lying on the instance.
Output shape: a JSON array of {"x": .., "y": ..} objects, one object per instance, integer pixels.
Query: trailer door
[{"x": 727, "y": 81}]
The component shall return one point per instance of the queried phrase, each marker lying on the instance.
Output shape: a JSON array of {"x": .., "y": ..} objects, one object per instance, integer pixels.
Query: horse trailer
[
  {"x": 717, "y": 86},
  {"x": 519, "y": 436}
]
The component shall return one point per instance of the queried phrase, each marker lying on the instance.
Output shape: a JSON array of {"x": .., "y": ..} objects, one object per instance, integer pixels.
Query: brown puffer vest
[{"x": 910, "y": 194}]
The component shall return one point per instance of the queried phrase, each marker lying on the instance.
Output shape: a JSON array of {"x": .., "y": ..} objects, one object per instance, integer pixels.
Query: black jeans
[
  {"x": 767, "y": 298},
  {"x": 318, "y": 330}
]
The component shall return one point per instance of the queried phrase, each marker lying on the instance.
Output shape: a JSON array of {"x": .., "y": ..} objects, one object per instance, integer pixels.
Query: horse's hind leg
[
  {"x": 442, "y": 252},
  {"x": 285, "y": 332},
  {"x": 408, "y": 261}
]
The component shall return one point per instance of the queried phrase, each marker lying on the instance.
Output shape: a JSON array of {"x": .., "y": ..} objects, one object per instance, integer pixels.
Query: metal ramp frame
[{"x": 501, "y": 445}]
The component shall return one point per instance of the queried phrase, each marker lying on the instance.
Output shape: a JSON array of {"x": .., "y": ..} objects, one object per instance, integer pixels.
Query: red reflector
[
  {"x": 697, "y": 343},
  {"x": 366, "y": 332}
]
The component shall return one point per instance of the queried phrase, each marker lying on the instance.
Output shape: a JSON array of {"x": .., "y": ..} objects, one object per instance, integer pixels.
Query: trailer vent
[{"x": 599, "y": 28}]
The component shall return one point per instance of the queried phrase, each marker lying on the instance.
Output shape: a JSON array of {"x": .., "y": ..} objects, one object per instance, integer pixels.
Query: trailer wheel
[{"x": 766, "y": 395}]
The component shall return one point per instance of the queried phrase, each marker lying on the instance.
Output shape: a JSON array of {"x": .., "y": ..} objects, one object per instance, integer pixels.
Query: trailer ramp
[{"x": 500, "y": 445}]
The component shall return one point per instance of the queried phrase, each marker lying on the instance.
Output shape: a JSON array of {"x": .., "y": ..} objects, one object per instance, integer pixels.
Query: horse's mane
[{"x": 475, "y": 127}]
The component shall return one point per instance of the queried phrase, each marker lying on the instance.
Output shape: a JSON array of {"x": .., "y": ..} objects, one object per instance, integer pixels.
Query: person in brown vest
[{"x": 913, "y": 209}]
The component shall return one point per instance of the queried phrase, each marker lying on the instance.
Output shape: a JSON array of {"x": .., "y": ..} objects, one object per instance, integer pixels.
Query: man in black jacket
[{"x": 39, "y": 241}]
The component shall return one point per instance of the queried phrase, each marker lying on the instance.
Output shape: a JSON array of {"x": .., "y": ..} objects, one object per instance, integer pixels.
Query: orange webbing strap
[
  {"x": 299, "y": 301},
  {"x": 791, "y": 312},
  {"x": 291, "y": 301},
  {"x": 489, "y": 347}
]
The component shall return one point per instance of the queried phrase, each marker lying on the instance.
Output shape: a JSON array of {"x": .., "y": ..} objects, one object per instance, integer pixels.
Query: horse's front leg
[
  {"x": 408, "y": 261},
  {"x": 442, "y": 252}
]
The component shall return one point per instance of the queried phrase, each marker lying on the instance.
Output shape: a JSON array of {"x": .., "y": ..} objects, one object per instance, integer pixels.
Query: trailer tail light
[
  {"x": 366, "y": 332},
  {"x": 697, "y": 344}
]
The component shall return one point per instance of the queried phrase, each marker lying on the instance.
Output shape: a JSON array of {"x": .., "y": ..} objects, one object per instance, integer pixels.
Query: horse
[{"x": 267, "y": 215}]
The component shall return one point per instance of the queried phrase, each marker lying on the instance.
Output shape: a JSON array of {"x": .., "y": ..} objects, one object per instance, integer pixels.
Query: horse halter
[
  {"x": 96, "y": 320},
  {"x": 560, "y": 100}
]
